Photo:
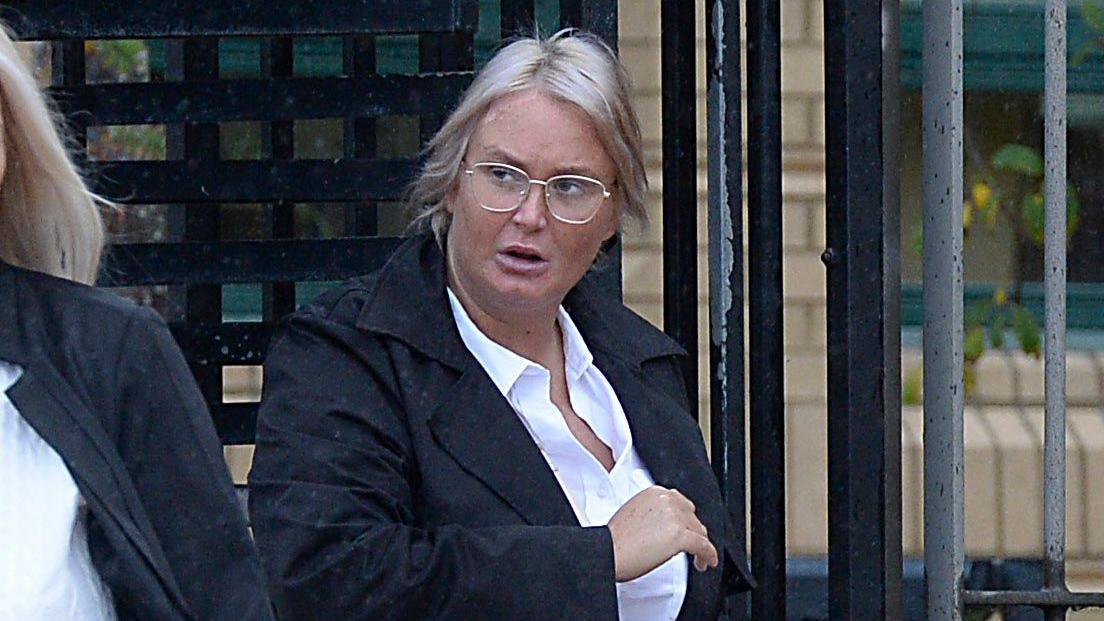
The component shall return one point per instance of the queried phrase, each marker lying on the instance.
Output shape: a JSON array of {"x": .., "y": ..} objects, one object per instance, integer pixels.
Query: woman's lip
[
  {"x": 521, "y": 266},
  {"x": 522, "y": 250}
]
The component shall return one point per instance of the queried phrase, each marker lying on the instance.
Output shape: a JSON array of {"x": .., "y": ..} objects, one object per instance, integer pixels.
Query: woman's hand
[{"x": 654, "y": 526}]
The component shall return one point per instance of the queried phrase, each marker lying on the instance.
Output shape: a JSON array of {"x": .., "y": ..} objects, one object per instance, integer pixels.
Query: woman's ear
[
  {"x": 450, "y": 197},
  {"x": 614, "y": 223}
]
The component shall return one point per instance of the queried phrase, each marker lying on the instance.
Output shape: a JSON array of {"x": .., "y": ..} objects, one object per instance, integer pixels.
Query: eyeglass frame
[{"x": 547, "y": 193}]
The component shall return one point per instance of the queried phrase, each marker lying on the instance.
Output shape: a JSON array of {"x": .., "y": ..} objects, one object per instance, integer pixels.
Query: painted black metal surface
[
  {"x": 726, "y": 268},
  {"x": 201, "y": 252},
  {"x": 111, "y": 19},
  {"x": 198, "y": 180},
  {"x": 279, "y": 98},
  {"x": 857, "y": 474},
  {"x": 680, "y": 186},
  {"x": 765, "y": 364}
]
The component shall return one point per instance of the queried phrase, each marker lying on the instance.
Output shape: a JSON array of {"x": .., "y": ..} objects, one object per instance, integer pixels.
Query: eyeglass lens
[{"x": 502, "y": 188}]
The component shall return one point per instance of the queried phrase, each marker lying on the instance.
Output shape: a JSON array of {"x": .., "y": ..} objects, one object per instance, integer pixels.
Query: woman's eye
[
  {"x": 567, "y": 187},
  {"x": 504, "y": 175}
]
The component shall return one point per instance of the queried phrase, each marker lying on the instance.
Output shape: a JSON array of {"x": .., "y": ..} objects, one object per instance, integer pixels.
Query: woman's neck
[{"x": 534, "y": 335}]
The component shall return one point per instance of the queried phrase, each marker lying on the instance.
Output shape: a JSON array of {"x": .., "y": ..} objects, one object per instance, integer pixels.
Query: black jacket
[
  {"x": 105, "y": 385},
  {"x": 392, "y": 480}
]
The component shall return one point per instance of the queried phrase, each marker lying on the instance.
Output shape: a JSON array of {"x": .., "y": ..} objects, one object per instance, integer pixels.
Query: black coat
[
  {"x": 392, "y": 480},
  {"x": 105, "y": 385}
]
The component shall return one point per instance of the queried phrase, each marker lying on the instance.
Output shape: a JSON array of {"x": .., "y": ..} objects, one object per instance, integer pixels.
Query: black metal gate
[
  {"x": 204, "y": 257},
  {"x": 200, "y": 89}
]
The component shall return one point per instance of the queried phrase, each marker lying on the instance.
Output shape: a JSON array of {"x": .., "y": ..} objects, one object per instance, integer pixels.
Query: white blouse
[
  {"x": 45, "y": 570},
  {"x": 594, "y": 493}
]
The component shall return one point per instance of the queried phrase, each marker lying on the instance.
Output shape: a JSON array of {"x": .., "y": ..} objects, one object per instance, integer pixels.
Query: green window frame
[{"x": 1003, "y": 48}]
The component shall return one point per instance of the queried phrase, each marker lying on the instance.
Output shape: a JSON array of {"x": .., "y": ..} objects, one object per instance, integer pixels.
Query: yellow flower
[
  {"x": 967, "y": 214},
  {"x": 981, "y": 193},
  {"x": 1000, "y": 296}
]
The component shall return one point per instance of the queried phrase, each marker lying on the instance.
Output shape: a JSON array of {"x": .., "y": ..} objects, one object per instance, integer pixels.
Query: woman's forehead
[{"x": 531, "y": 125}]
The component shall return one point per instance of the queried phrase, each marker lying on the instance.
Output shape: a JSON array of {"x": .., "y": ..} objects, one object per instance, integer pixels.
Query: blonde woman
[
  {"x": 478, "y": 431},
  {"x": 115, "y": 502}
]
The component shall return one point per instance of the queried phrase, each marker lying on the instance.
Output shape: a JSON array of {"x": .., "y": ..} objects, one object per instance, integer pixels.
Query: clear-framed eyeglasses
[{"x": 500, "y": 188}]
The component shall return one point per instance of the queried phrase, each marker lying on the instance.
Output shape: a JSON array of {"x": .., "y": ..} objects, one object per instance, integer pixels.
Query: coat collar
[
  {"x": 409, "y": 303},
  {"x": 9, "y": 349}
]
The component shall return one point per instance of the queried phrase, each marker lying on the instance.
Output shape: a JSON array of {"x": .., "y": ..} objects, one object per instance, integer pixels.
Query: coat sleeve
[
  {"x": 173, "y": 454},
  {"x": 333, "y": 501},
  {"x": 736, "y": 574}
]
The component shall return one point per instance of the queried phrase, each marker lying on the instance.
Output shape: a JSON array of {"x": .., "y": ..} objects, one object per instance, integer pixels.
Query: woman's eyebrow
[{"x": 500, "y": 154}]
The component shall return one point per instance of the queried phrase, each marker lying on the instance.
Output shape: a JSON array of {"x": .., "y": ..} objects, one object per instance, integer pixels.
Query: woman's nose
[{"x": 533, "y": 212}]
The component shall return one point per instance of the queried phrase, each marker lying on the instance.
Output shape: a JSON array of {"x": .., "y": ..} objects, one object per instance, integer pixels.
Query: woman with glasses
[
  {"x": 115, "y": 501},
  {"x": 480, "y": 430}
]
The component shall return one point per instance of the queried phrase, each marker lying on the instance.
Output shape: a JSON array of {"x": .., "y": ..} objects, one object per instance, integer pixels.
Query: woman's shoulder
[
  {"x": 340, "y": 304},
  {"x": 76, "y": 303}
]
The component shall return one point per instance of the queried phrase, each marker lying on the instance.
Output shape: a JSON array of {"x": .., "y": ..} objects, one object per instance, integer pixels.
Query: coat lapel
[
  {"x": 45, "y": 401},
  {"x": 670, "y": 453},
  {"x": 473, "y": 421},
  {"x": 480, "y": 430}
]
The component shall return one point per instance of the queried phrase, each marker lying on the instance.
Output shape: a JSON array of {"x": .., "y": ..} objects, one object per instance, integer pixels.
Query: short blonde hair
[
  {"x": 572, "y": 66},
  {"x": 49, "y": 221}
]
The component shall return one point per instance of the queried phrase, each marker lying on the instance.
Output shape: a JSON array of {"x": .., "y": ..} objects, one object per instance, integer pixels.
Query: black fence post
[
  {"x": 859, "y": 481},
  {"x": 680, "y": 185},
  {"x": 765, "y": 370},
  {"x": 726, "y": 268}
]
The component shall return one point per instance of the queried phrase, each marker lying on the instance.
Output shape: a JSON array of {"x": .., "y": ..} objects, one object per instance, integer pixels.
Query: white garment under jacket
[{"x": 594, "y": 493}]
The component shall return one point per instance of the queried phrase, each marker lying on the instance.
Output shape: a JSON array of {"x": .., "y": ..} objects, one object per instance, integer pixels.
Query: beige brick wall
[{"x": 1003, "y": 425}]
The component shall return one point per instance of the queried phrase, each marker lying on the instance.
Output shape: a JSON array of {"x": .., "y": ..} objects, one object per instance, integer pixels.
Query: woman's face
[{"x": 525, "y": 261}]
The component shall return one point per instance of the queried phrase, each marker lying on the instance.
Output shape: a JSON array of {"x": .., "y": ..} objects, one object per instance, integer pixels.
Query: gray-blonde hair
[
  {"x": 49, "y": 221},
  {"x": 572, "y": 66}
]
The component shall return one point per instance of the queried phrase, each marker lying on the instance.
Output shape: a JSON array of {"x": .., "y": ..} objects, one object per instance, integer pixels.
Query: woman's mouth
[{"x": 521, "y": 260}]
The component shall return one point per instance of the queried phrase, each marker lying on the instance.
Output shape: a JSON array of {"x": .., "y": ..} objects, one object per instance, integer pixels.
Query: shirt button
[{"x": 603, "y": 492}]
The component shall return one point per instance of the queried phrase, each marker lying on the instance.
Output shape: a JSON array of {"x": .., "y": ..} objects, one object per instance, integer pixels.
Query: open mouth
[
  {"x": 522, "y": 260},
  {"x": 523, "y": 254}
]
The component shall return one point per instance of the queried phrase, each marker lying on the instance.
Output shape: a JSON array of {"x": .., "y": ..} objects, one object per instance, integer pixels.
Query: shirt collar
[
  {"x": 9, "y": 374},
  {"x": 576, "y": 353},
  {"x": 407, "y": 302},
  {"x": 504, "y": 366}
]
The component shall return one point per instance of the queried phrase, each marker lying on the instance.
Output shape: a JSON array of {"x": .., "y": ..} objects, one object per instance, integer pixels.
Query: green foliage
[
  {"x": 1092, "y": 11},
  {"x": 1033, "y": 214},
  {"x": 912, "y": 388},
  {"x": 1018, "y": 158},
  {"x": 1026, "y": 329},
  {"x": 1011, "y": 188},
  {"x": 122, "y": 60}
]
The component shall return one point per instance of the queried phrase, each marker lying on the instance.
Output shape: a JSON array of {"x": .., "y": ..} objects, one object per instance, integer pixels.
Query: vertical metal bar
[
  {"x": 600, "y": 17},
  {"x": 943, "y": 358},
  {"x": 518, "y": 17},
  {"x": 69, "y": 70},
  {"x": 857, "y": 587},
  {"x": 571, "y": 14},
  {"x": 1054, "y": 459},
  {"x": 278, "y": 298},
  {"x": 359, "y": 59},
  {"x": 440, "y": 53},
  {"x": 203, "y": 303},
  {"x": 680, "y": 184},
  {"x": 765, "y": 368},
  {"x": 726, "y": 267},
  {"x": 891, "y": 293}
]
